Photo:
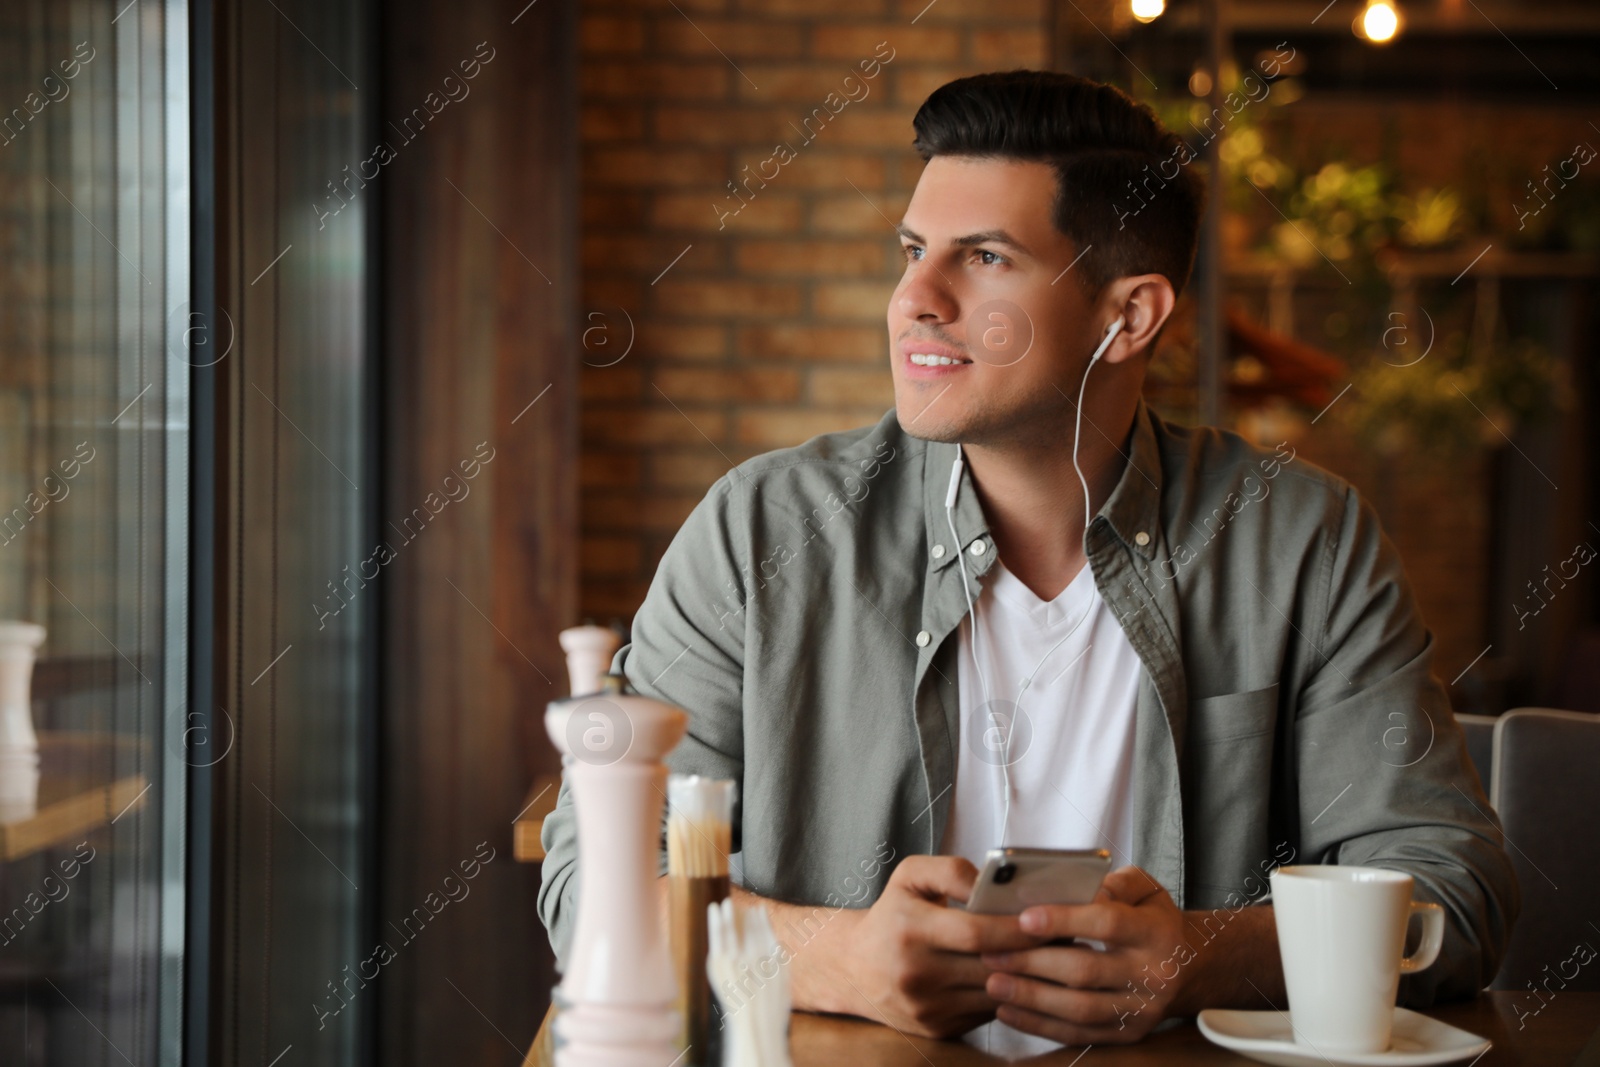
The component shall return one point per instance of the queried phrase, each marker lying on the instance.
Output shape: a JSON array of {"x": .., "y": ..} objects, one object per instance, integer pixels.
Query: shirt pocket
[
  {"x": 1232, "y": 716},
  {"x": 1228, "y": 787}
]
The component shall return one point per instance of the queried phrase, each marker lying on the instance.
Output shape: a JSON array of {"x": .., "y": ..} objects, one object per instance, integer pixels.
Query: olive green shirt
[{"x": 807, "y": 618}]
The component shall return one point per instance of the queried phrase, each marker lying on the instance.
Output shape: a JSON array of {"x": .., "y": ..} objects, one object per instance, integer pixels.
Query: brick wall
[{"x": 770, "y": 328}]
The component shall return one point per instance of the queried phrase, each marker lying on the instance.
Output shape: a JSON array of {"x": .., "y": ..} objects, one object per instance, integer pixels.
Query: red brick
[
  {"x": 854, "y": 214},
  {"x": 731, "y": 38},
  {"x": 665, "y": 7},
  {"x": 611, "y": 122},
  {"x": 733, "y": 299},
  {"x": 609, "y": 470},
  {"x": 609, "y": 556},
  {"x": 830, "y": 387},
  {"x": 813, "y": 8},
  {"x": 865, "y": 300},
  {"x": 610, "y": 383},
  {"x": 871, "y": 128},
  {"x": 683, "y": 342},
  {"x": 668, "y": 167},
  {"x": 629, "y": 512},
  {"x": 604, "y": 293},
  {"x": 804, "y": 83},
  {"x": 708, "y": 386},
  {"x": 783, "y": 428},
  {"x": 664, "y": 425},
  {"x": 913, "y": 85},
  {"x": 648, "y": 255},
  {"x": 673, "y": 81},
  {"x": 766, "y": 213},
  {"x": 826, "y": 258},
  {"x": 815, "y": 167},
  {"x": 615, "y": 209},
  {"x": 605, "y": 601},
  {"x": 687, "y": 470},
  {"x": 610, "y": 35},
  {"x": 834, "y": 344},
  {"x": 971, "y": 12},
  {"x": 852, "y": 42},
  {"x": 763, "y": 127},
  {"x": 1010, "y": 49}
]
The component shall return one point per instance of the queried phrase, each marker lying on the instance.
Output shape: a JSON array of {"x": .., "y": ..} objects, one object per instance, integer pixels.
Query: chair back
[
  {"x": 1479, "y": 732},
  {"x": 1545, "y": 786}
]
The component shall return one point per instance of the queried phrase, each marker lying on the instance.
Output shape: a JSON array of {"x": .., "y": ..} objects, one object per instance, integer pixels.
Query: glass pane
[{"x": 94, "y": 409}]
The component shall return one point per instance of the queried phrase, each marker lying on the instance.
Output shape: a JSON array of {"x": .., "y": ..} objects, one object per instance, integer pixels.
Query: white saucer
[{"x": 1267, "y": 1036}]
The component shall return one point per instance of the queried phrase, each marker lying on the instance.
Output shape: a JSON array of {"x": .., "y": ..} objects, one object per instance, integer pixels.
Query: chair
[
  {"x": 1544, "y": 785},
  {"x": 1479, "y": 731}
]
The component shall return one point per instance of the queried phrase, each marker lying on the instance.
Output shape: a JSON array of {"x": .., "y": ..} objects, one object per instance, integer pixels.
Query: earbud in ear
[{"x": 1111, "y": 333}]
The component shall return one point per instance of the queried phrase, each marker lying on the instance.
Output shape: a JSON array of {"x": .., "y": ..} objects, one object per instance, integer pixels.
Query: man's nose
[{"x": 926, "y": 296}]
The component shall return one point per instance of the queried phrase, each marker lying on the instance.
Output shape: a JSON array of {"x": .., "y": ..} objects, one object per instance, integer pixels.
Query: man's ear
[{"x": 1144, "y": 303}]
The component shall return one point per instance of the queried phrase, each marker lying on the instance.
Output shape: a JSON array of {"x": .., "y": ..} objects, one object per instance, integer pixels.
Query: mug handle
[{"x": 1432, "y": 937}]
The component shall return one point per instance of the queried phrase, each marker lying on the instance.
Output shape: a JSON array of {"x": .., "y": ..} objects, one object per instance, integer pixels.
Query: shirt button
[
  {"x": 938, "y": 552},
  {"x": 923, "y": 638},
  {"x": 1141, "y": 539},
  {"x": 978, "y": 548}
]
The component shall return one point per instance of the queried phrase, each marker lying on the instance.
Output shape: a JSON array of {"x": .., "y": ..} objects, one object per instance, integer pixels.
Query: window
[{"x": 94, "y": 454}]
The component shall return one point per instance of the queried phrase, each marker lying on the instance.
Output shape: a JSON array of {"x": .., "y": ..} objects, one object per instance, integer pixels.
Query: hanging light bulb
[
  {"x": 1148, "y": 10},
  {"x": 1379, "y": 22}
]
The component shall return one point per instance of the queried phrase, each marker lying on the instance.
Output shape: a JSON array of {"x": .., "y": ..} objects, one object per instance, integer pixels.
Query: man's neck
[{"x": 1033, "y": 500}]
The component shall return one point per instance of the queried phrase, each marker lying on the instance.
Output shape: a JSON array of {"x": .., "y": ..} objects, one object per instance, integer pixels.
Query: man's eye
[
  {"x": 911, "y": 251},
  {"x": 990, "y": 258}
]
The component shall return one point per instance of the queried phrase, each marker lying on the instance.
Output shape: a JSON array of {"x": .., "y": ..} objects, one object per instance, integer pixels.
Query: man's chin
[{"x": 922, "y": 424}]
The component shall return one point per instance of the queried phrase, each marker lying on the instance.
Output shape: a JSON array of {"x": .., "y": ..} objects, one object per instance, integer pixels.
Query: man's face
[{"x": 987, "y": 283}]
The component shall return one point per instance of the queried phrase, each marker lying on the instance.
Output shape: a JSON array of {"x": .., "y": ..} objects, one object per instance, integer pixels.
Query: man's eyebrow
[{"x": 983, "y": 237}]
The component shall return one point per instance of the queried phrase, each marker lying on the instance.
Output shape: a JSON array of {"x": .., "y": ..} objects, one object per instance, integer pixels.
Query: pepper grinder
[
  {"x": 589, "y": 650},
  {"x": 19, "y": 745},
  {"x": 618, "y": 992}
]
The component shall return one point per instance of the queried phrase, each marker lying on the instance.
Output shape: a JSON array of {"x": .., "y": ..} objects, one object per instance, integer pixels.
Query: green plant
[{"x": 1451, "y": 403}]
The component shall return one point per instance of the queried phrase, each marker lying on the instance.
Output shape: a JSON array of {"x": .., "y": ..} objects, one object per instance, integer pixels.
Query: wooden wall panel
[
  {"x": 480, "y": 319},
  {"x": 293, "y": 889}
]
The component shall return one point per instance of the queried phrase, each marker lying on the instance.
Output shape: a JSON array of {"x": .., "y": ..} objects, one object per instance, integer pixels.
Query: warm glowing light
[
  {"x": 1380, "y": 22},
  {"x": 1148, "y": 10}
]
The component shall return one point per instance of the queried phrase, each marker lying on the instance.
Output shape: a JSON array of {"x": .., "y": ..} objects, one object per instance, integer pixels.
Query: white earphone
[
  {"x": 1077, "y": 423},
  {"x": 956, "y": 468}
]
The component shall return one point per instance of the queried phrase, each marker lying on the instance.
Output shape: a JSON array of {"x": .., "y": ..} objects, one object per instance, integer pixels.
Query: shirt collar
[{"x": 1134, "y": 507}]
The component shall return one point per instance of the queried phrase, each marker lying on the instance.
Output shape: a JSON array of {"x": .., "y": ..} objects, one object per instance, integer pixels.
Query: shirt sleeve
[
  {"x": 1385, "y": 779},
  {"x": 687, "y": 648}
]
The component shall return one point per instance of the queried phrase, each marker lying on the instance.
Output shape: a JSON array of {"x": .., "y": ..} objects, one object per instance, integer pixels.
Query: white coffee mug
[{"x": 1342, "y": 935}]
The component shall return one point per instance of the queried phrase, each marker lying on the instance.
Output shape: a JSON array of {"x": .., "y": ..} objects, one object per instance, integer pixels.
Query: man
[{"x": 905, "y": 661}]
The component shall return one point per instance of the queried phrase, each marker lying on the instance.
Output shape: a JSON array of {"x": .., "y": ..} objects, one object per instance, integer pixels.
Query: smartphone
[{"x": 1016, "y": 878}]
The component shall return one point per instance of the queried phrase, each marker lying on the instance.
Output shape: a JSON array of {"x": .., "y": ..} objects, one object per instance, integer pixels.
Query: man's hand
[
  {"x": 909, "y": 960},
  {"x": 1156, "y": 962}
]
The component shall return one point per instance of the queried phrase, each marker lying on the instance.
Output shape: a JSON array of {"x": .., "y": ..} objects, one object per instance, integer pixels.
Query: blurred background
[{"x": 348, "y": 352}]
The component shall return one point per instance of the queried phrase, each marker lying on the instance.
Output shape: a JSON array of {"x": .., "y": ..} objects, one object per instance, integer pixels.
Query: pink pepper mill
[{"x": 618, "y": 992}]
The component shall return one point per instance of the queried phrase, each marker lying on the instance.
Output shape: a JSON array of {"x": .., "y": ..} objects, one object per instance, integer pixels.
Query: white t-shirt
[{"x": 1071, "y": 745}]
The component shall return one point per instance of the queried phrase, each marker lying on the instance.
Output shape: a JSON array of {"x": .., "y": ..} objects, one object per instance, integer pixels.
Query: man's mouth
[{"x": 934, "y": 359}]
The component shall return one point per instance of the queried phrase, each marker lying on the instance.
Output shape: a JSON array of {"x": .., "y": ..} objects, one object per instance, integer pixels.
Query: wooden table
[
  {"x": 76, "y": 794},
  {"x": 1564, "y": 1028}
]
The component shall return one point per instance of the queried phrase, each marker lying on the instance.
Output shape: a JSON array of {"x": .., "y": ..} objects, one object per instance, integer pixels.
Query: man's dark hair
[{"x": 1124, "y": 183}]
